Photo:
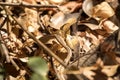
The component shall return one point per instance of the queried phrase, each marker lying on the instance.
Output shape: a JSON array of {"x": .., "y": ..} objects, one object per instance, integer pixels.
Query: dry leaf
[
  {"x": 117, "y": 59},
  {"x": 24, "y": 59},
  {"x": 87, "y": 7},
  {"x": 86, "y": 45},
  {"x": 43, "y": 2},
  {"x": 65, "y": 29},
  {"x": 71, "y": 6},
  {"x": 72, "y": 41},
  {"x": 89, "y": 73},
  {"x": 109, "y": 26},
  {"x": 57, "y": 1},
  {"x": 29, "y": 20},
  {"x": 48, "y": 39},
  {"x": 110, "y": 70},
  {"x": 95, "y": 40},
  {"x": 45, "y": 20},
  {"x": 108, "y": 46},
  {"x": 29, "y": 1},
  {"x": 103, "y": 10},
  {"x": 102, "y": 32},
  {"x": 59, "y": 19},
  {"x": 92, "y": 26}
]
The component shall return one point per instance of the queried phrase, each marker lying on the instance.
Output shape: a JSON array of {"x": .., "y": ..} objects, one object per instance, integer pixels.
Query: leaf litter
[{"x": 78, "y": 39}]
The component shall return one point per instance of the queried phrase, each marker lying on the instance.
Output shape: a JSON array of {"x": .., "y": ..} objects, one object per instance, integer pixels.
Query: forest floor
[{"x": 59, "y": 40}]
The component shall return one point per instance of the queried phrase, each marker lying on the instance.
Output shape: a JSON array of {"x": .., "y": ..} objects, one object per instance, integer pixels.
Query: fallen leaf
[
  {"x": 103, "y": 10},
  {"x": 72, "y": 41},
  {"x": 29, "y": 20},
  {"x": 29, "y": 1},
  {"x": 86, "y": 45},
  {"x": 57, "y": 1},
  {"x": 59, "y": 19},
  {"x": 95, "y": 40},
  {"x": 71, "y": 6},
  {"x": 38, "y": 65},
  {"x": 92, "y": 26},
  {"x": 89, "y": 73},
  {"x": 25, "y": 59},
  {"x": 87, "y": 7},
  {"x": 110, "y": 70},
  {"x": 109, "y": 26},
  {"x": 45, "y": 20}
]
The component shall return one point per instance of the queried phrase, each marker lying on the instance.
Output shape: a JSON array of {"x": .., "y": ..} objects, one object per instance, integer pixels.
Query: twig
[
  {"x": 14, "y": 64},
  {"x": 57, "y": 73},
  {"x": 3, "y": 22},
  {"x": 4, "y": 49},
  {"x": 27, "y": 5},
  {"x": 40, "y": 44},
  {"x": 39, "y": 20},
  {"x": 62, "y": 42},
  {"x": 8, "y": 27},
  {"x": 90, "y": 52}
]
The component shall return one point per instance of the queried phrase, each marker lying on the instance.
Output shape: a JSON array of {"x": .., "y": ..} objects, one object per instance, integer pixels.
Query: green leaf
[
  {"x": 38, "y": 77},
  {"x": 38, "y": 65},
  {"x": 1, "y": 73}
]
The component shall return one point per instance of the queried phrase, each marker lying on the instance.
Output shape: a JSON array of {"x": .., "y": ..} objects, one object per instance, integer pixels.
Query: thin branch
[
  {"x": 40, "y": 44},
  {"x": 27, "y": 5},
  {"x": 14, "y": 64},
  {"x": 4, "y": 50},
  {"x": 2, "y": 22},
  {"x": 62, "y": 42},
  {"x": 90, "y": 52}
]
